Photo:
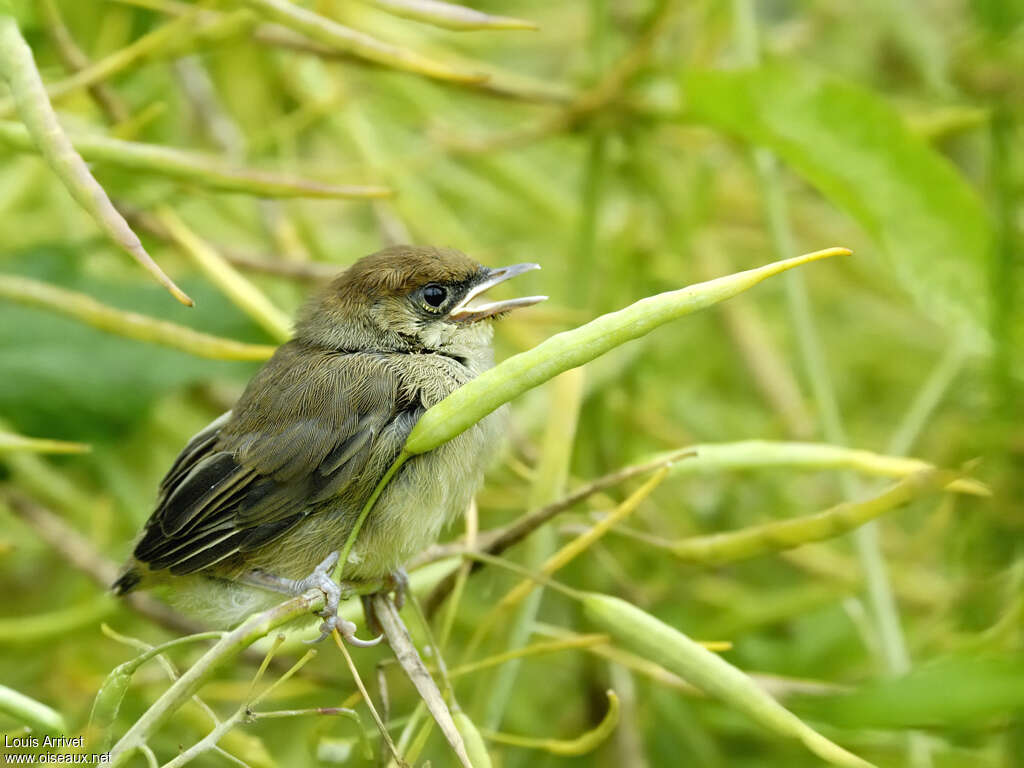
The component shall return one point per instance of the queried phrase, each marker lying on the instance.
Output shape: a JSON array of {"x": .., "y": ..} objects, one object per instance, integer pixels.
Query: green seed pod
[
  {"x": 475, "y": 747},
  {"x": 779, "y": 535},
  {"x": 108, "y": 701},
  {"x": 646, "y": 636},
  {"x": 341, "y": 38},
  {"x": 569, "y": 349},
  {"x": 131, "y": 325}
]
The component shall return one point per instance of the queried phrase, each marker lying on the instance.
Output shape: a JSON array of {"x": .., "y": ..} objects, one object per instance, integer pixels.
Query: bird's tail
[{"x": 127, "y": 581}]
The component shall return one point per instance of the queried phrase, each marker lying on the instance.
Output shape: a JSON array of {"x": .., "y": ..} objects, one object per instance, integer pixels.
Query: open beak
[{"x": 475, "y": 307}]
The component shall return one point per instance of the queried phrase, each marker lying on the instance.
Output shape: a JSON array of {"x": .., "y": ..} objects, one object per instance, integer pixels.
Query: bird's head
[{"x": 410, "y": 299}]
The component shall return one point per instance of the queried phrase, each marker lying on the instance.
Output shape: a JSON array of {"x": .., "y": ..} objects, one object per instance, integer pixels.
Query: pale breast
[{"x": 432, "y": 489}]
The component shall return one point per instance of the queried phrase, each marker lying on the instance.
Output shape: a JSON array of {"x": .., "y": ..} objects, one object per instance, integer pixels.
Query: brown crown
[{"x": 401, "y": 269}]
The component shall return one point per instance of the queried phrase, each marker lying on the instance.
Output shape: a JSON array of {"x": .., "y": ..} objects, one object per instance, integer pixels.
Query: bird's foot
[{"x": 321, "y": 579}]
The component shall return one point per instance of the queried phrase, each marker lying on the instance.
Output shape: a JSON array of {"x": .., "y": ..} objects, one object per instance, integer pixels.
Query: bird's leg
[
  {"x": 320, "y": 579},
  {"x": 398, "y": 582},
  {"x": 370, "y": 615}
]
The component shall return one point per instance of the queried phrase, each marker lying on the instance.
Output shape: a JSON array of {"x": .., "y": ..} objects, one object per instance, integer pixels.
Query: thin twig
[
  {"x": 405, "y": 651},
  {"x": 366, "y": 697},
  {"x": 75, "y": 60},
  {"x": 80, "y": 553},
  {"x": 308, "y": 271},
  {"x": 244, "y": 712},
  {"x": 496, "y": 541}
]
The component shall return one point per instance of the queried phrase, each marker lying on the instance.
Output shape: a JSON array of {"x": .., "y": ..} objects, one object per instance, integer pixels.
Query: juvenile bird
[{"x": 262, "y": 499}]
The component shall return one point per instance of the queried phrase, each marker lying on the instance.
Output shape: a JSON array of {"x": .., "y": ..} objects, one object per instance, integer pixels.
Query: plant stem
[
  {"x": 354, "y": 533},
  {"x": 414, "y": 668},
  {"x": 131, "y": 325},
  {"x": 31, "y": 712},
  {"x": 929, "y": 397},
  {"x": 366, "y": 697},
  {"x": 865, "y": 539},
  {"x": 230, "y": 646},
  {"x": 209, "y": 741}
]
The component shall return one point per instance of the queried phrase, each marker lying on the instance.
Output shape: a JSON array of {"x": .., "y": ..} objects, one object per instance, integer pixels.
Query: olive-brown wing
[{"x": 312, "y": 425}]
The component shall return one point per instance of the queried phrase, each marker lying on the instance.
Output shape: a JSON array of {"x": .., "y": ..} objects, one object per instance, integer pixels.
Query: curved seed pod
[
  {"x": 641, "y": 633},
  {"x": 489, "y": 391},
  {"x": 342, "y": 38},
  {"x": 581, "y": 745},
  {"x": 771, "y": 454},
  {"x": 779, "y": 535},
  {"x": 108, "y": 700}
]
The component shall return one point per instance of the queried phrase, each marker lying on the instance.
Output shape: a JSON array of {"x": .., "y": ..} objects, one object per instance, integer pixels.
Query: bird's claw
[{"x": 346, "y": 629}]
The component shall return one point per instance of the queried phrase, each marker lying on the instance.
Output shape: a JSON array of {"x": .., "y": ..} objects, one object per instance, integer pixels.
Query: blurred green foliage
[
  {"x": 621, "y": 145},
  {"x": 97, "y": 385}
]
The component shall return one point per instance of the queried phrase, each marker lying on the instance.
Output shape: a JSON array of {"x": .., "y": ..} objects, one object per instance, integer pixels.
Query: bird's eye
[{"x": 435, "y": 295}]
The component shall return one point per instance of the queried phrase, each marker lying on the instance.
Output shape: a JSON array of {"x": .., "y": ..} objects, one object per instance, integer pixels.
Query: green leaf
[
  {"x": 984, "y": 689},
  {"x": 857, "y": 151}
]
